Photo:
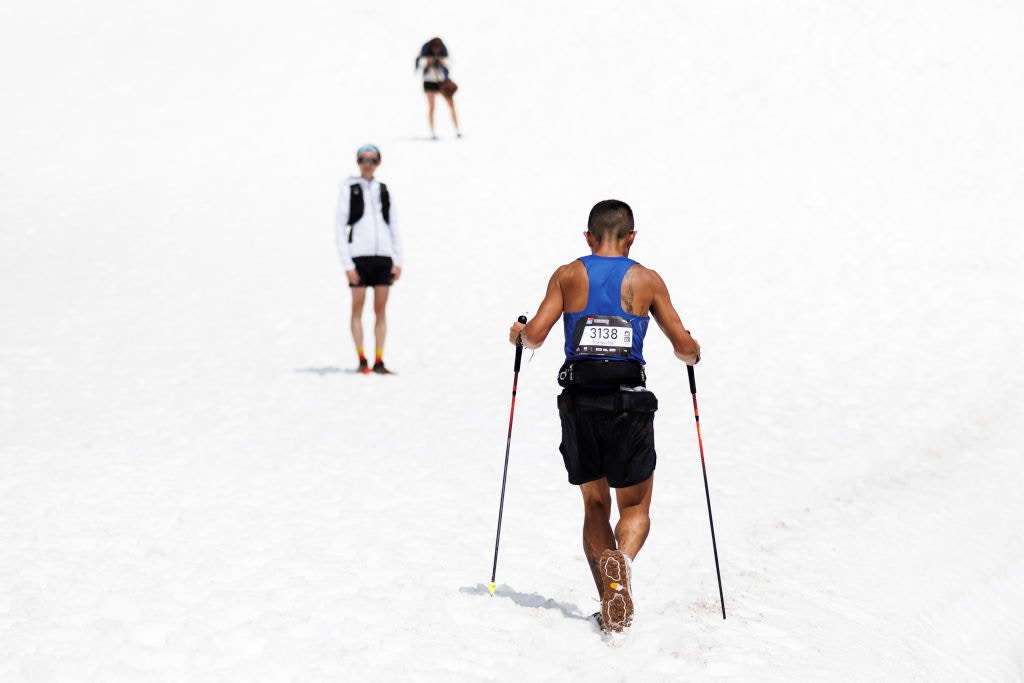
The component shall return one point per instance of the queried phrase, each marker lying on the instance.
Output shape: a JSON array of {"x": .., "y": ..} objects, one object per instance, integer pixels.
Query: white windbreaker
[{"x": 371, "y": 236}]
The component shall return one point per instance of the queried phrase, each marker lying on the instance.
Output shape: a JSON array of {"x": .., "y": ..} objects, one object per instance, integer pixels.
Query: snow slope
[{"x": 193, "y": 486}]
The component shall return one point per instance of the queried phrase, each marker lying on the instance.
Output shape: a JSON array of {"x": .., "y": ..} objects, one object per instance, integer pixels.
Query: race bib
[{"x": 604, "y": 336}]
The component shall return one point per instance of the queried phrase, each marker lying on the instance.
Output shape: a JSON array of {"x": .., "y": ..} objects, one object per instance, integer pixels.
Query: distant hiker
[
  {"x": 607, "y": 414},
  {"x": 433, "y": 62},
  {"x": 370, "y": 249}
]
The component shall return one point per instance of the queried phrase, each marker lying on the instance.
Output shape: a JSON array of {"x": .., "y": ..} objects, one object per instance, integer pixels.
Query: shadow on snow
[
  {"x": 533, "y": 600},
  {"x": 329, "y": 370}
]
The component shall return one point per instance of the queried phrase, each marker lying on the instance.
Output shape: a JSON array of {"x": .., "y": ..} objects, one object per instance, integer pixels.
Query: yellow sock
[{"x": 380, "y": 356}]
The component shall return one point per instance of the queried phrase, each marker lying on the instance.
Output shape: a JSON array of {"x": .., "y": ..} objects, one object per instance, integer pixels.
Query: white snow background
[{"x": 194, "y": 486}]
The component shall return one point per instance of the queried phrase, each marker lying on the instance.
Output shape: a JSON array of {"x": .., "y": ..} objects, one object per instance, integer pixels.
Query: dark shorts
[
  {"x": 374, "y": 271},
  {"x": 431, "y": 86},
  {"x": 608, "y": 433}
]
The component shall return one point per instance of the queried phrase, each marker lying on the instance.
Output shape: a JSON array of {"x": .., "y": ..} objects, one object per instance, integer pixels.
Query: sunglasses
[{"x": 369, "y": 160}]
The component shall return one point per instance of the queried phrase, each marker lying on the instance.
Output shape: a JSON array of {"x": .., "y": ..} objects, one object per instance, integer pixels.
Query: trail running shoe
[
  {"x": 379, "y": 368},
  {"x": 364, "y": 367},
  {"x": 616, "y": 597}
]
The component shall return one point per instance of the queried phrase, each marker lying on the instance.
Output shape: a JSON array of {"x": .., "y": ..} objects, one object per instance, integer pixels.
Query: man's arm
[
  {"x": 550, "y": 310},
  {"x": 664, "y": 313}
]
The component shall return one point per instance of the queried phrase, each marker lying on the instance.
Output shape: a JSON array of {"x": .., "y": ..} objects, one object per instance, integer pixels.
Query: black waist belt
[
  {"x": 613, "y": 401},
  {"x": 601, "y": 374}
]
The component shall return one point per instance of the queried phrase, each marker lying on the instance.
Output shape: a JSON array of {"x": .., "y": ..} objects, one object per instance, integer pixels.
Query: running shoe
[{"x": 616, "y": 596}]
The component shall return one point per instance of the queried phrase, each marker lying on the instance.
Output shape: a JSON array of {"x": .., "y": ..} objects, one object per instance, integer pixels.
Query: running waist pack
[{"x": 601, "y": 374}]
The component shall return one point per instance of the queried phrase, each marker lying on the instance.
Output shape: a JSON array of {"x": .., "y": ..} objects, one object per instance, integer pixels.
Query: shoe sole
[{"x": 616, "y": 597}]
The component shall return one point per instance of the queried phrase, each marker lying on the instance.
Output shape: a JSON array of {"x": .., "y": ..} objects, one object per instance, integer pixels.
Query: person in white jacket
[{"x": 370, "y": 249}]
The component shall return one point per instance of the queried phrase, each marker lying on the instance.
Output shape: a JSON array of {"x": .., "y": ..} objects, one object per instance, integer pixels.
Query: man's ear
[{"x": 590, "y": 238}]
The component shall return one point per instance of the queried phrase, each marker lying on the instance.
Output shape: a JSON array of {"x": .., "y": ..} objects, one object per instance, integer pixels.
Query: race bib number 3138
[{"x": 607, "y": 336}]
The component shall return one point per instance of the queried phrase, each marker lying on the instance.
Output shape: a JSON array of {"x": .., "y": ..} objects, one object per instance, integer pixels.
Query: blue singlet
[{"x": 602, "y": 330}]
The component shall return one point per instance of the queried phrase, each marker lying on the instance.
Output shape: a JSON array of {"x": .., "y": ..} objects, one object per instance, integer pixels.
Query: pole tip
[{"x": 491, "y": 587}]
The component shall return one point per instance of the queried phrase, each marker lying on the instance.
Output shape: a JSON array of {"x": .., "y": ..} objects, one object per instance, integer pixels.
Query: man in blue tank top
[{"x": 605, "y": 301}]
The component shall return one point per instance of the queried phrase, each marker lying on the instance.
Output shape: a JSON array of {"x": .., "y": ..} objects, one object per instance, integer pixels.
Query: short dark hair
[{"x": 610, "y": 219}]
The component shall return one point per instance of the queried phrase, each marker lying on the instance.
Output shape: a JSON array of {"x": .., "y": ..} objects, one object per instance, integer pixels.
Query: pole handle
[
  {"x": 693, "y": 382},
  {"x": 519, "y": 345}
]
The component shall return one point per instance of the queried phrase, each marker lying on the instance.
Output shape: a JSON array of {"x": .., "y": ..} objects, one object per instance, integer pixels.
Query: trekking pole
[
  {"x": 707, "y": 493},
  {"x": 508, "y": 446}
]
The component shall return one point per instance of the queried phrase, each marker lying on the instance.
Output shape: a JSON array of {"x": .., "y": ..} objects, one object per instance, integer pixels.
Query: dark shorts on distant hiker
[{"x": 374, "y": 271}]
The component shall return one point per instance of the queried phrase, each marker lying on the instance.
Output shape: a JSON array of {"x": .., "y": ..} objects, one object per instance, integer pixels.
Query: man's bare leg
[
  {"x": 611, "y": 575},
  {"x": 634, "y": 503},
  {"x": 597, "y": 528},
  {"x": 634, "y": 523}
]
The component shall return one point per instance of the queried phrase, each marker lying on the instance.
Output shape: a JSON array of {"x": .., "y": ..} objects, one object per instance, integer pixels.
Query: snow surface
[{"x": 195, "y": 487}]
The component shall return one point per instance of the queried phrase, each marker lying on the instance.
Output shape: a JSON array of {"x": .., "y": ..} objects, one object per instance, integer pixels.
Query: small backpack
[{"x": 356, "y": 205}]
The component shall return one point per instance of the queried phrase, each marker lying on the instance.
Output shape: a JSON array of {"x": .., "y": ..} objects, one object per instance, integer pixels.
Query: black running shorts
[
  {"x": 608, "y": 433},
  {"x": 374, "y": 271},
  {"x": 431, "y": 86}
]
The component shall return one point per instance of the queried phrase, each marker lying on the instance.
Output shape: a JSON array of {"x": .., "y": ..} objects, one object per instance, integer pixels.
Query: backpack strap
[
  {"x": 385, "y": 203},
  {"x": 355, "y": 207}
]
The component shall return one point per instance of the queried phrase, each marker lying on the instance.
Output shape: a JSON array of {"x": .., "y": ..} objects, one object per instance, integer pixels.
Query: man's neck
[{"x": 610, "y": 249}]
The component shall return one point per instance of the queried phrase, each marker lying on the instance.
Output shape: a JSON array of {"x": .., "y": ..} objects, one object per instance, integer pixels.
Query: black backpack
[{"x": 356, "y": 205}]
